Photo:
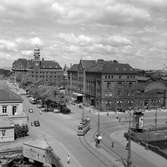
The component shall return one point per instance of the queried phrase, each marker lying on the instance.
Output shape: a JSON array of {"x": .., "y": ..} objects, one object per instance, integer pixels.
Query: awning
[{"x": 77, "y": 94}]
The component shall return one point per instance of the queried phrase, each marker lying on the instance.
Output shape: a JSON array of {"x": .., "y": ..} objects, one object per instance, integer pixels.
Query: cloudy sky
[{"x": 130, "y": 31}]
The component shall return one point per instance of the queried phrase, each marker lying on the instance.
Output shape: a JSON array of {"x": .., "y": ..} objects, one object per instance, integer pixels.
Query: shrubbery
[{"x": 20, "y": 131}]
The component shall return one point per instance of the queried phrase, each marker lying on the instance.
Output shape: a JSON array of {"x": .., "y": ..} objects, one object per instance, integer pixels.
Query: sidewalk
[{"x": 140, "y": 150}]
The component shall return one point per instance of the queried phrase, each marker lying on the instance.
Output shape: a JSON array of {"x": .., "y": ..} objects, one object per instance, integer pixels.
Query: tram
[{"x": 84, "y": 127}]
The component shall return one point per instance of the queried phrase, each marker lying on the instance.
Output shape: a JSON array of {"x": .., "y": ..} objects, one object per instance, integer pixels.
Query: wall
[
  {"x": 19, "y": 109},
  {"x": 9, "y": 135}
]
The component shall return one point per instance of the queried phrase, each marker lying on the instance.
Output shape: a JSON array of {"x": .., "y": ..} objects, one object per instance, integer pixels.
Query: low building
[
  {"x": 11, "y": 106},
  {"x": 6, "y": 130},
  {"x": 38, "y": 70}
]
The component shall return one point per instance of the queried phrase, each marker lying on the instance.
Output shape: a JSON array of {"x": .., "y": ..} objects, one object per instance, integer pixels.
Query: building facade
[
  {"x": 38, "y": 70},
  {"x": 11, "y": 107},
  {"x": 6, "y": 130},
  {"x": 108, "y": 85}
]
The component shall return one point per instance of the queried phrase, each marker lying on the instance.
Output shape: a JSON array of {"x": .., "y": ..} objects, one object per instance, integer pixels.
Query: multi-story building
[
  {"x": 37, "y": 70},
  {"x": 108, "y": 85}
]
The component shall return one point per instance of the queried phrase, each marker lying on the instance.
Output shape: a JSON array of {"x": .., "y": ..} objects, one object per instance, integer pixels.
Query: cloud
[{"x": 7, "y": 45}]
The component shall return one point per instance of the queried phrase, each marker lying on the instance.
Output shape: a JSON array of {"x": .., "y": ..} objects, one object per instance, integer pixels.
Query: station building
[{"x": 38, "y": 70}]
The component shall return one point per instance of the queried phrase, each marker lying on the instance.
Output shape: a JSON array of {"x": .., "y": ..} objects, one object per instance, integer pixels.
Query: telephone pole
[
  {"x": 129, "y": 162},
  {"x": 84, "y": 92}
]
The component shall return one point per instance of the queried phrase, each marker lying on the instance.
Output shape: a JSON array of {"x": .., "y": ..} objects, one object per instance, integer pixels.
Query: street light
[{"x": 129, "y": 162}]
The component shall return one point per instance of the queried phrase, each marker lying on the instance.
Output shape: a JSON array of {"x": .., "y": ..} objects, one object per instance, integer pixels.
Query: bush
[{"x": 20, "y": 130}]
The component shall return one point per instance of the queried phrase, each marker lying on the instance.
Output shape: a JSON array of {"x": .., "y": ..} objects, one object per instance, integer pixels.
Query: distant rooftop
[
  {"x": 103, "y": 66},
  {"x": 8, "y": 96}
]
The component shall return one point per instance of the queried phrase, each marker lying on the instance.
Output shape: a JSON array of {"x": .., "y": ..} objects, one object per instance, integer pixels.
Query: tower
[{"x": 36, "y": 54}]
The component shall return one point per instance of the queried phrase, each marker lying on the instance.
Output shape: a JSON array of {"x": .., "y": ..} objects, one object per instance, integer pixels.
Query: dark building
[
  {"x": 108, "y": 85},
  {"x": 37, "y": 70}
]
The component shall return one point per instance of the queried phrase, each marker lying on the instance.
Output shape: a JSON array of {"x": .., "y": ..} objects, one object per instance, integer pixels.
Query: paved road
[{"x": 62, "y": 128}]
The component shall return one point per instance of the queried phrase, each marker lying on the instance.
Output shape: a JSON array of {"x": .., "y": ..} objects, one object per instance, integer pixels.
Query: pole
[
  {"x": 84, "y": 90},
  {"x": 156, "y": 118},
  {"x": 70, "y": 85},
  {"x": 129, "y": 163},
  {"x": 98, "y": 123}
]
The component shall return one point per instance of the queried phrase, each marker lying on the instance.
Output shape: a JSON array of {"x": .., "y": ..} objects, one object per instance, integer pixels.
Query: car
[
  {"x": 56, "y": 110},
  {"x": 30, "y": 110},
  {"x": 36, "y": 123},
  {"x": 39, "y": 105}
]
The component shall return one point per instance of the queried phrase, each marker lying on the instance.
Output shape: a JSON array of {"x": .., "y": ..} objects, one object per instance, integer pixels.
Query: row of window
[
  {"x": 130, "y": 84},
  {"x": 42, "y": 72},
  {"x": 119, "y": 76},
  {"x": 42, "y": 76},
  {"x": 4, "y": 109}
]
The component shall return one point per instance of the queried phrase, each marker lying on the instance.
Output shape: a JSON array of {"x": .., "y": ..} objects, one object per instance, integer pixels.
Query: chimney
[{"x": 115, "y": 61}]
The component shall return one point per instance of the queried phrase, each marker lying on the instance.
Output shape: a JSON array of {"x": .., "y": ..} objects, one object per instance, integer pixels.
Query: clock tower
[{"x": 36, "y": 56}]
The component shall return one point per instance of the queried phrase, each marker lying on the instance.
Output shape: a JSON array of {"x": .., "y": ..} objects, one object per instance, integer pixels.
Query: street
[{"x": 56, "y": 127}]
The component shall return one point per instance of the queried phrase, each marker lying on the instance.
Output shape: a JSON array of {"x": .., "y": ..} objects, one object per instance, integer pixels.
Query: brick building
[
  {"x": 108, "y": 85},
  {"x": 45, "y": 71}
]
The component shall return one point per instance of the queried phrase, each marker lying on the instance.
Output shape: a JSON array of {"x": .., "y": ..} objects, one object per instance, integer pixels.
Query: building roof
[
  {"x": 104, "y": 66},
  {"x": 142, "y": 78},
  {"x": 8, "y": 96},
  {"x": 42, "y": 144},
  {"x": 24, "y": 64},
  {"x": 74, "y": 67},
  {"x": 88, "y": 63}
]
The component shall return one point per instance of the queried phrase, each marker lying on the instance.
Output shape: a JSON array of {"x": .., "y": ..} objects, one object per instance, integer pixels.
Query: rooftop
[
  {"x": 103, "y": 66},
  {"x": 8, "y": 96}
]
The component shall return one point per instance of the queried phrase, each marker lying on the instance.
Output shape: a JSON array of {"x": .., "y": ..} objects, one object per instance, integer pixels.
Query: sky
[{"x": 130, "y": 31}]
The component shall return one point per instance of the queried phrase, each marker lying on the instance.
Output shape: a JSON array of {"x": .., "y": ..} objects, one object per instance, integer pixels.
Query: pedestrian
[
  {"x": 112, "y": 144},
  {"x": 68, "y": 159}
]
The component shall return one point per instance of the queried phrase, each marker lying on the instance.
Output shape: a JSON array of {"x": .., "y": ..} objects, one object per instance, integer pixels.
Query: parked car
[{"x": 36, "y": 123}]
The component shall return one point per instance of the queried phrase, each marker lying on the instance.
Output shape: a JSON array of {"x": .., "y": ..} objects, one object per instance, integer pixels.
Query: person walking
[{"x": 68, "y": 159}]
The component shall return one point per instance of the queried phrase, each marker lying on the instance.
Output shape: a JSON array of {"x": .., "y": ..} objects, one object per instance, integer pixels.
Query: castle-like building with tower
[{"x": 45, "y": 71}]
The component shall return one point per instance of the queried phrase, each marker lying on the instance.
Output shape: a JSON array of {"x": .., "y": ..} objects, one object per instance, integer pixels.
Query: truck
[{"x": 39, "y": 151}]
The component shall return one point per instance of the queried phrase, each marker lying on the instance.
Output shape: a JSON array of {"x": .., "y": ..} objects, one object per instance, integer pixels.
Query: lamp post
[{"x": 156, "y": 112}]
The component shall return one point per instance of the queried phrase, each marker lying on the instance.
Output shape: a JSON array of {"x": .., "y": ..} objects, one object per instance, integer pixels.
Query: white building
[
  {"x": 11, "y": 105},
  {"x": 6, "y": 130}
]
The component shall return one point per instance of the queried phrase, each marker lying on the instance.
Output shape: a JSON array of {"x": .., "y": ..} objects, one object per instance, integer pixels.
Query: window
[
  {"x": 108, "y": 84},
  {"x": 119, "y": 76},
  {"x": 3, "y": 132},
  {"x": 4, "y": 109},
  {"x": 130, "y": 84},
  {"x": 14, "y": 110},
  {"x": 119, "y": 93}
]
